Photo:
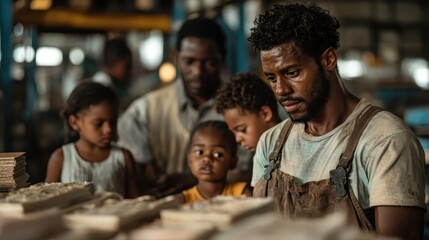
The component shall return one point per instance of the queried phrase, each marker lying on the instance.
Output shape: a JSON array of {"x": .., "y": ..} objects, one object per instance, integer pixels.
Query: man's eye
[
  {"x": 189, "y": 61},
  {"x": 271, "y": 79},
  {"x": 293, "y": 73},
  {"x": 212, "y": 63}
]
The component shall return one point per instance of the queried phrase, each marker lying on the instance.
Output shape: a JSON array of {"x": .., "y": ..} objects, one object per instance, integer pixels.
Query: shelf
[{"x": 73, "y": 20}]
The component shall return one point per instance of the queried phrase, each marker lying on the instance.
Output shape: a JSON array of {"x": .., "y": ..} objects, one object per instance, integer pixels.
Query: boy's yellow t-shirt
[{"x": 231, "y": 189}]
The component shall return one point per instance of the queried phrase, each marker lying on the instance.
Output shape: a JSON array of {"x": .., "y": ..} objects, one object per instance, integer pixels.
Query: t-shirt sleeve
[
  {"x": 260, "y": 159},
  {"x": 133, "y": 131},
  {"x": 396, "y": 172}
]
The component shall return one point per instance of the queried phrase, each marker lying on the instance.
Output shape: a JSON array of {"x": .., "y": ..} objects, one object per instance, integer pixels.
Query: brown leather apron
[{"x": 316, "y": 198}]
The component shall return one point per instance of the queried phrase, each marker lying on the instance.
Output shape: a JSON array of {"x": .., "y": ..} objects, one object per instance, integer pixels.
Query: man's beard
[{"x": 318, "y": 97}]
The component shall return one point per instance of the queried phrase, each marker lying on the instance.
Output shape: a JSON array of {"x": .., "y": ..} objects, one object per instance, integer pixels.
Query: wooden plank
[
  {"x": 97, "y": 199},
  {"x": 33, "y": 226},
  {"x": 45, "y": 195},
  {"x": 275, "y": 226},
  {"x": 115, "y": 215},
  {"x": 159, "y": 231},
  {"x": 11, "y": 155},
  {"x": 223, "y": 211}
]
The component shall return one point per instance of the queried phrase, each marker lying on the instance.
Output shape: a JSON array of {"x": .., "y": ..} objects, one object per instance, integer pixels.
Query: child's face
[
  {"x": 246, "y": 126},
  {"x": 209, "y": 157},
  {"x": 96, "y": 125}
]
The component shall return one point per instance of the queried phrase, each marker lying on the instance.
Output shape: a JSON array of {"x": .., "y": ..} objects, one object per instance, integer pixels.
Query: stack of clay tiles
[{"x": 12, "y": 171}]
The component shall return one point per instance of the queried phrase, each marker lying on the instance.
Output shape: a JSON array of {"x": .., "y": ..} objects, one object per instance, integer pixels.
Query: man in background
[
  {"x": 116, "y": 68},
  {"x": 156, "y": 126}
]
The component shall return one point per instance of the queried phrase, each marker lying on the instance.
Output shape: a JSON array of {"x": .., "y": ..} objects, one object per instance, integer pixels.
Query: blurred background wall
[{"x": 48, "y": 46}]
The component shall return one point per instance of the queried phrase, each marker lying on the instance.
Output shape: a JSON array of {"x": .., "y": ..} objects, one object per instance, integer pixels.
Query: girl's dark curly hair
[
  {"x": 81, "y": 98},
  {"x": 308, "y": 26},
  {"x": 246, "y": 92}
]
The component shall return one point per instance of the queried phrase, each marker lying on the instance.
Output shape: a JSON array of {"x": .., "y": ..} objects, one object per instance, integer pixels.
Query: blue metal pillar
[
  {"x": 242, "y": 52},
  {"x": 179, "y": 16},
  {"x": 230, "y": 58},
  {"x": 30, "y": 71},
  {"x": 237, "y": 57},
  {"x": 5, "y": 73}
]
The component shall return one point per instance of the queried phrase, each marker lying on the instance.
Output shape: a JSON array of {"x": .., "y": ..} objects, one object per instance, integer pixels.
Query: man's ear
[
  {"x": 329, "y": 59},
  {"x": 266, "y": 113}
]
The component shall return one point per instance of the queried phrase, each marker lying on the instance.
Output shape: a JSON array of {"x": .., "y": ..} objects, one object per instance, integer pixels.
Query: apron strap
[
  {"x": 361, "y": 124},
  {"x": 363, "y": 219},
  {"x": 281, "y": 140},
  {"x": 339, "y": 176},
  {"x": 275, "y": 156}
]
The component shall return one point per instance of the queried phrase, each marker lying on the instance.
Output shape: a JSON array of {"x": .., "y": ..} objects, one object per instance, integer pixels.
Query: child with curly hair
[{"x": 249, "y": 107}]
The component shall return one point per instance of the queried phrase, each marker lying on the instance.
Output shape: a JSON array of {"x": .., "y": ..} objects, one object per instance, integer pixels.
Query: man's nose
[
  {"x": 282, "y": 87},
  {"x": 198, "y": 68}
]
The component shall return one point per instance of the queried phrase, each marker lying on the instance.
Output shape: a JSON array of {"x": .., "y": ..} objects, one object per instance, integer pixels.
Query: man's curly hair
[
  {"x": 308, "y": 26},
  {"x": 246, "y": 92}
]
